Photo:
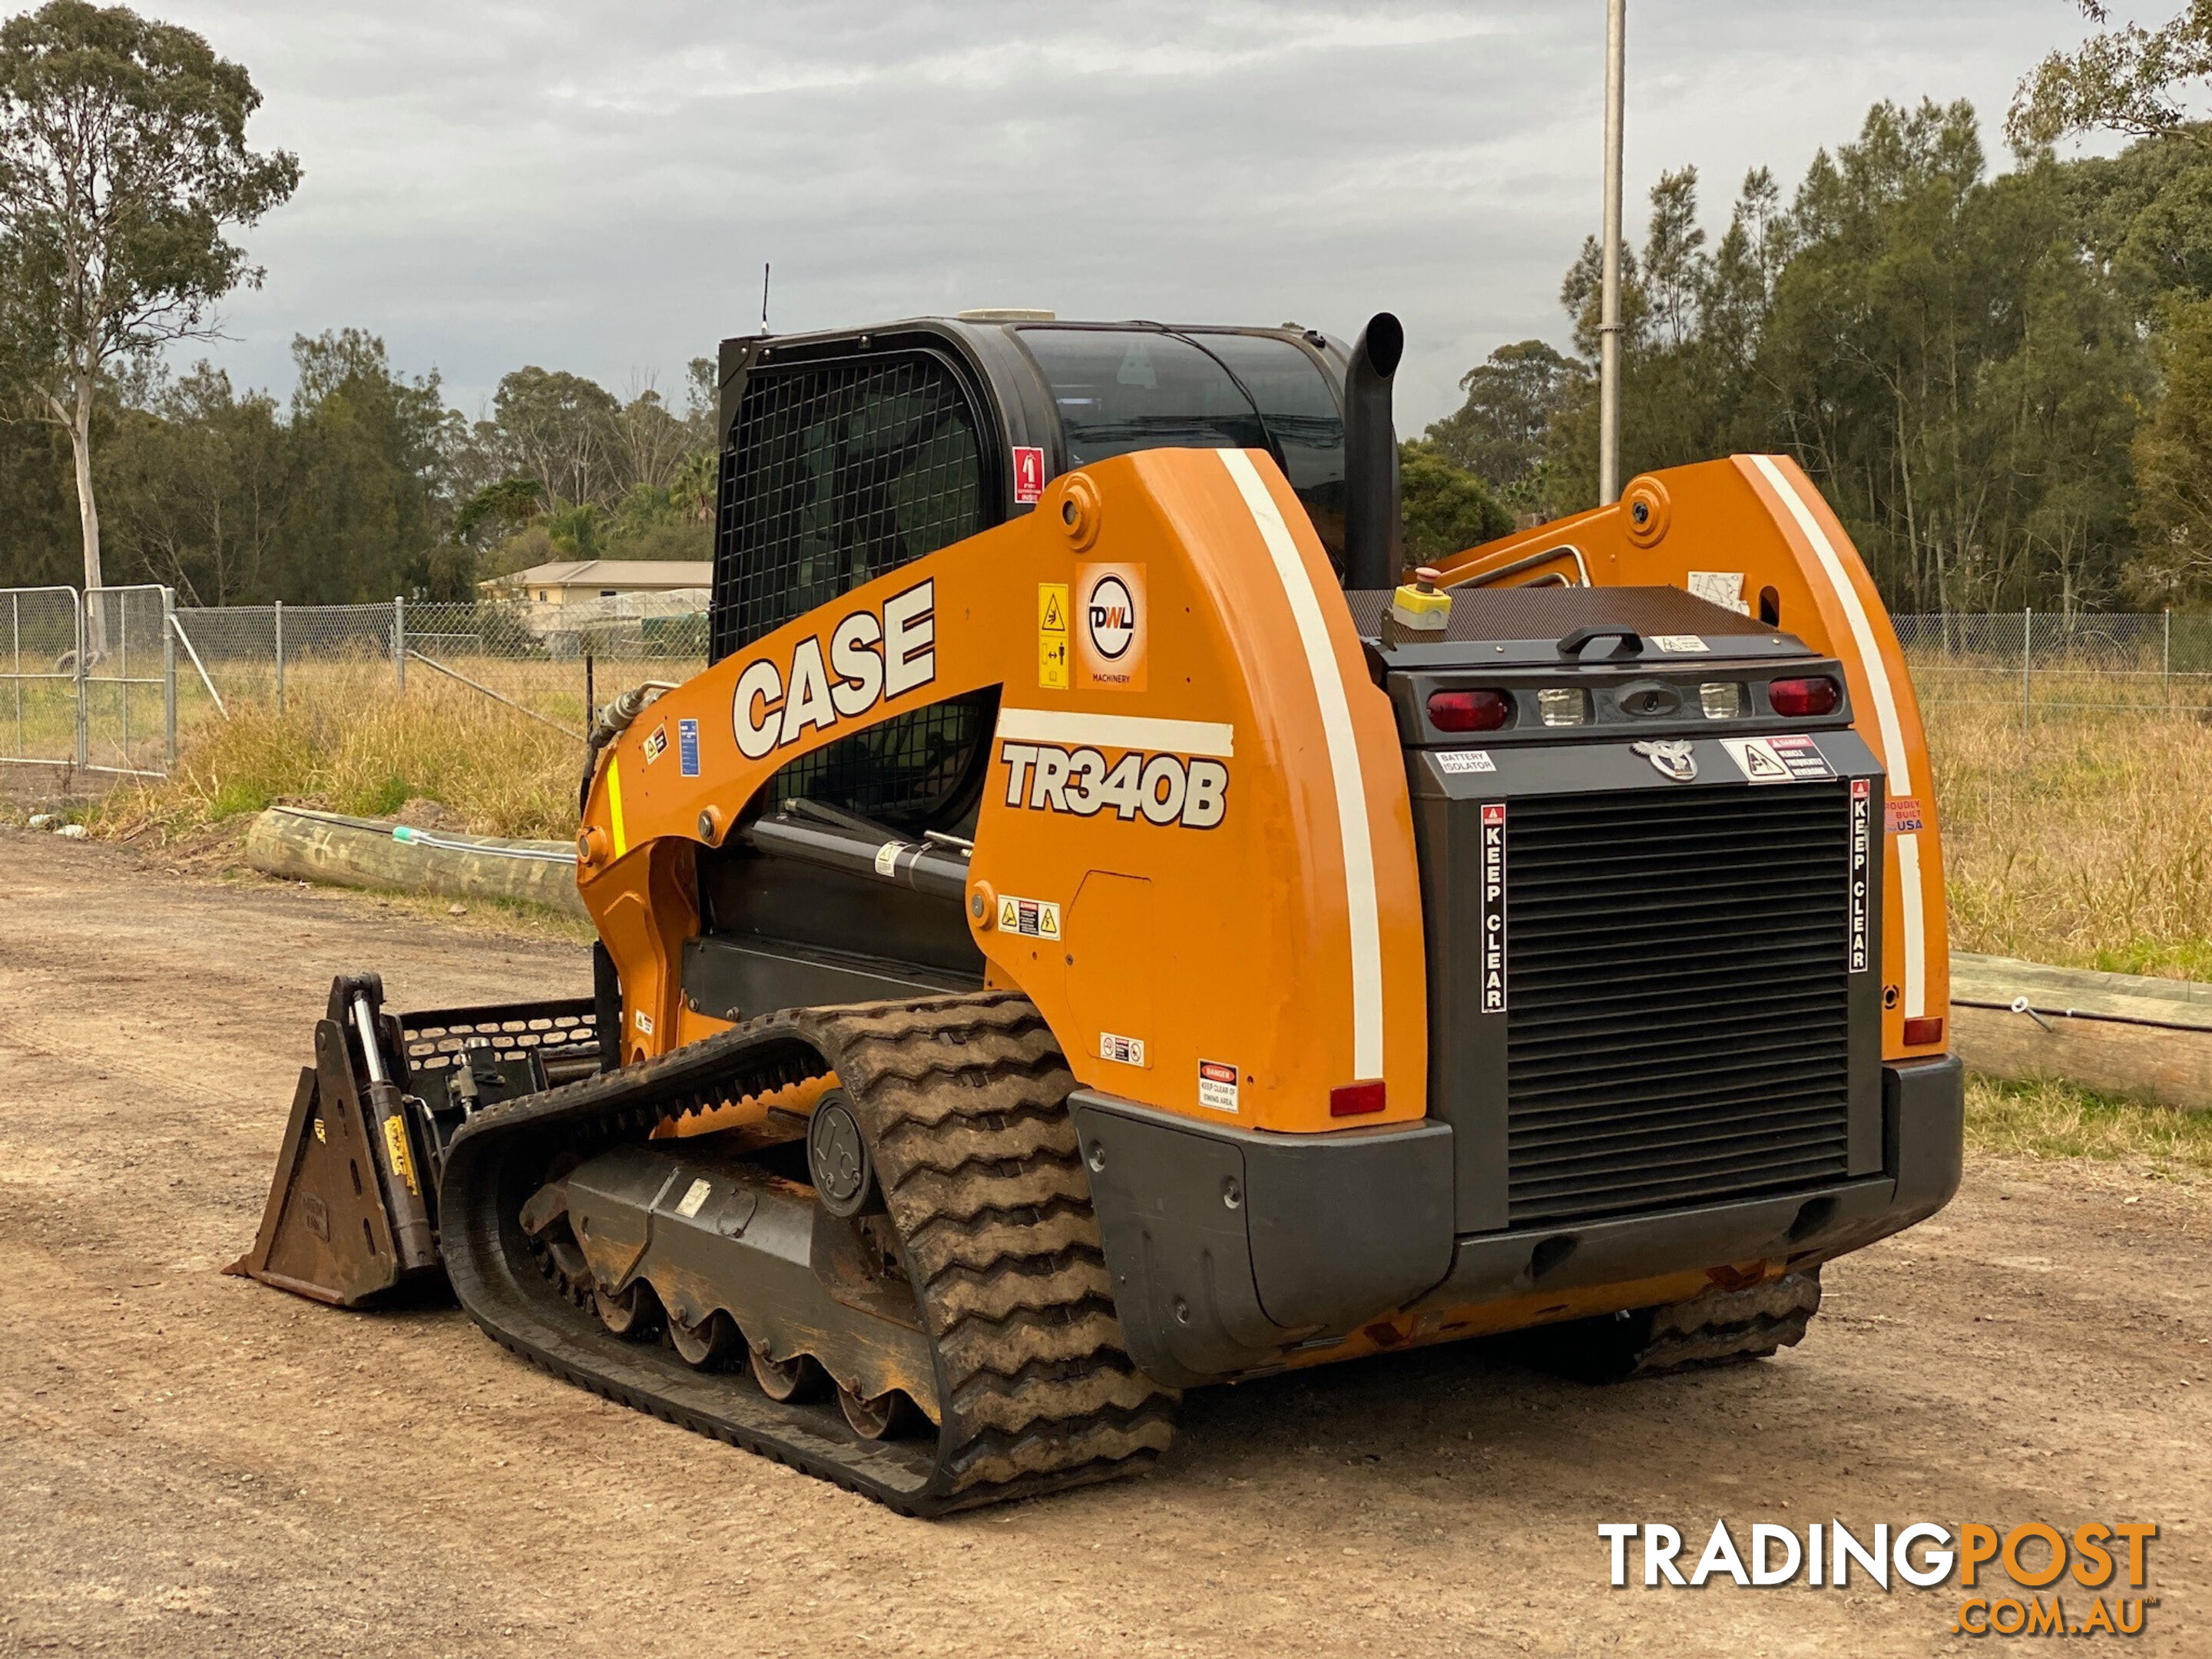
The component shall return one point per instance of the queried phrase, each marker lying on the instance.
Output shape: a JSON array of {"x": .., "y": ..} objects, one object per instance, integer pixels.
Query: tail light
[
  {"x": 1469, "y": 711},
  {"x": 1356, "y": 1099},
  {"x": 1918, "y": 1032},
  {"x": 1817, "y": 694}
]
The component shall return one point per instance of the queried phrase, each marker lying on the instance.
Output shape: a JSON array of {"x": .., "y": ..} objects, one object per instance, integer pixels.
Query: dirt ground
[{"x": 191, "y": 1464}]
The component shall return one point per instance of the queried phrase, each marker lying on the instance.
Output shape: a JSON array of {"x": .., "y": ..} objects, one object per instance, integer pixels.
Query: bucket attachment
[{"x": 352, "y": 1213}]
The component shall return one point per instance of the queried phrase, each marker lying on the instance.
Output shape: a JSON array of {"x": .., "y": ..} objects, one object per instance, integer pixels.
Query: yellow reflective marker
[{"x": 614, "y": 807}]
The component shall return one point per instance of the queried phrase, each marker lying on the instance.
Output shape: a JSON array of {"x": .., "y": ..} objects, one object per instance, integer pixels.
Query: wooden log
[
  {"x": 329, "y": 847},
  {"x": 2118, "y": 1033}
]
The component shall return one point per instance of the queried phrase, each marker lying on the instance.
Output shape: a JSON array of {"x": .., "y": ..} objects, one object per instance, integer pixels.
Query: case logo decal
[{"x": 873, "y": 656}]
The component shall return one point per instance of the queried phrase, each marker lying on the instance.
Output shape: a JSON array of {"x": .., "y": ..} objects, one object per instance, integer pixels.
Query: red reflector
[
  {"x": 1919, "y": 1031},
  {"x": 1355, "y": 1100},
  {"x": 1469, "y": 711},
  {"x": 1818, "y": 695}
]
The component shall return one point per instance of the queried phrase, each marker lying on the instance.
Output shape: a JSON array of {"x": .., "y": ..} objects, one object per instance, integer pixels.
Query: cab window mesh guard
[{"x": 836, "y": 473}]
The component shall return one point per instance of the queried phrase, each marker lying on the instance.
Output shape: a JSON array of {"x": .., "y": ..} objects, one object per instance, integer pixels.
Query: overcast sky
[{"x": 594, "y": 186}]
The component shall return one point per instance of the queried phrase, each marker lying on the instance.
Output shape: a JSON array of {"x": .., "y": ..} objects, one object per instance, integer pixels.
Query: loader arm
[{"x": 1199, "y": 851}]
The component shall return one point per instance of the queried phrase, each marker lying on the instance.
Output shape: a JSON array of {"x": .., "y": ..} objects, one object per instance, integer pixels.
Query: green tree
[
  {"x": 122, "y": 164},
  {"x": 198, "y": 484},
  {"x": 559, "y": 428},
  {"x": 2123, "y": 80},
  {"x": 1512, "y": 397},
  {"x": 369, "y": 505},
  {"x": 1444, "y": 508}
]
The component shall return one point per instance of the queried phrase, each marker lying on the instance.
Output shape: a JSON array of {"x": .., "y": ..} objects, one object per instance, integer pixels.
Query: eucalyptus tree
[{"x": 124, "y": 167}]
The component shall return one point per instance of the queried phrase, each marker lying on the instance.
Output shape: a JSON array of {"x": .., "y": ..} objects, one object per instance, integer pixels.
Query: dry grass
[
  {"x": 2087, "y": 843},
  {"x": 346, "y": 743},
  {"x": 2057, "y": 1121}
]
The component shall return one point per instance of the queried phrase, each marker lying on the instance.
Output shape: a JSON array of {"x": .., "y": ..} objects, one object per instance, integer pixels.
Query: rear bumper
[{"x": 1232, "y": 1247}]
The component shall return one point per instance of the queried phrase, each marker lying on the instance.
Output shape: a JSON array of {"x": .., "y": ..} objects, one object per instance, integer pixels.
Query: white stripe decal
[
  {"x": 1362, "y": 907},
  {"x": 1886, "y": 718},
  {"x": 1215, "y": 737},
  {"x": 1877, "y": 673},
  {"x": 1916, "y": 943}
]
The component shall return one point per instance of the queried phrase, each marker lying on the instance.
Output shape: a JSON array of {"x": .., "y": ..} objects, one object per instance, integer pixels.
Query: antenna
[{"x": 764, "y": 296}]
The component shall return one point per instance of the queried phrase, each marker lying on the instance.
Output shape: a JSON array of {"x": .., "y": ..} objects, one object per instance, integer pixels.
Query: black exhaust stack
[{"x": 1373, "y": 544}]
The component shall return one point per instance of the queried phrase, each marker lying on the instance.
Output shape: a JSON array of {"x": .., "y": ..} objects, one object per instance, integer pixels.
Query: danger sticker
[
  {"x": 1721, "y": 587},
  {"x": 694, "y": 1197},
  {"x": 1903, "y": 816},
  {"x": 1052, "y": 636},
  {"x": 1030, "y": 918},
  {"x": 1778, "y": 760},
  {"x": 656, "y": 743},
  {"x": 1121, "y": 1050},
  {"x": 1862, "y": 870},
  {"x": 1679, "y": 643},
  {"x": 1217, "y": 1085},
  {"x": 1491, "y": 954},
  {"x": 1466, "y": 760},
  {"x": 687, "y": 747},
  {"x": 1028, "y": 476}
]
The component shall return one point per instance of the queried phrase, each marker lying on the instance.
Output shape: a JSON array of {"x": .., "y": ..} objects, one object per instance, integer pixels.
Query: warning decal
[
  {"x": 1861, "y": 868},
  {"x": 1028, "y": 476},
  {"x": 1778, "y": 760},
  {"x": 1052, "y": 635},
  {"x": 1491, "y": 953},
  {"x": 656, "y": 743},
  {"x": 1030, "y": 918},
  {"x": 1721, "y": 587},
  {"x": 1122, "y": 1050},
  {"x": 1217, "y": 1085},
  {"x": 1679, "y": 643}
]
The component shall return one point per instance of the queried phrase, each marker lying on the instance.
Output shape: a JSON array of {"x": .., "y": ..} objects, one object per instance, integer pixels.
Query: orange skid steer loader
[{"x": 1100, "y": 927}]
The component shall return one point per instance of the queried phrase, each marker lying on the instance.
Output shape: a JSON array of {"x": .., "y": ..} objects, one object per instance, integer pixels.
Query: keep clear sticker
[{"x": 1778, "y": 760}]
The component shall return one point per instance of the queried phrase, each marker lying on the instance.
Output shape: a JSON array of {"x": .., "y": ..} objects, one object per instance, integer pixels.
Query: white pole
[{"x": 1609, "y": 369}]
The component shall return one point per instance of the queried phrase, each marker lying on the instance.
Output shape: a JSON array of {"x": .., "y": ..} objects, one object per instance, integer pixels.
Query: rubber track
[
  {"x": 1723, "y": 1327},
  {"x": 963, "y": 1101}
]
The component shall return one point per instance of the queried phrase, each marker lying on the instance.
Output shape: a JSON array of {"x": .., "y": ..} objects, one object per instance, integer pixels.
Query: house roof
[{"x": 624, "y": 573}]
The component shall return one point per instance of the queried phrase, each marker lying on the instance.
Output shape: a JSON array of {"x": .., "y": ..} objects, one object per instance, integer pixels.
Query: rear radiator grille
[{"x": 1676, "y": 1009}]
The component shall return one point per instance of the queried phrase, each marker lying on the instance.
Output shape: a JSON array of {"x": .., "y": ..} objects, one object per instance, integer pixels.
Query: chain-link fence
[
  {"x": 538, "y": 658},
  {"x": 2050, "y": 661},
  {"x": 45, "y": 638},
  {"x": 108, "y": 683}
]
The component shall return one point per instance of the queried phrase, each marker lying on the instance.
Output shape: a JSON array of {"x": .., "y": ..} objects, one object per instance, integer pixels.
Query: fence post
[
  {"x": 399, "y": 642},
  {"x": 169, "y": 676},
  {"x": 280, "y": 658},
  {"x": 2027, "y": 664},
  {"x": 83, "y": 716},
  {"x": 2166, "y": 662}
]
